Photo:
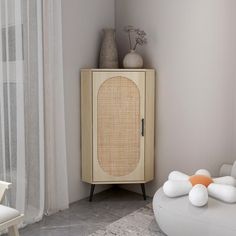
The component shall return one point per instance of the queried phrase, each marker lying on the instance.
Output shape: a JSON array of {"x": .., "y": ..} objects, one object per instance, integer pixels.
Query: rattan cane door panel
[{"x": 118, "y": 110}]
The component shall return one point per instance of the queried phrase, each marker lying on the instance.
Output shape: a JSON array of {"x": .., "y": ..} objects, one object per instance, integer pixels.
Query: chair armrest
[
  {"x": 225, "y": 170},
  {"x": 3, "y": 187},
  {"x": 233, "y": 171}
]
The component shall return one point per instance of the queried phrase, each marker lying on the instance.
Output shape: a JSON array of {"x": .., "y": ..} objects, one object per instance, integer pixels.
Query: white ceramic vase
[{"x": 133, "y": 60}]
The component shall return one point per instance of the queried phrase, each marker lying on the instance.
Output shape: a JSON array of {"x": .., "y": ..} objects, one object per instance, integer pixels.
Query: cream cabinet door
[{"x": 118, "y": 120}]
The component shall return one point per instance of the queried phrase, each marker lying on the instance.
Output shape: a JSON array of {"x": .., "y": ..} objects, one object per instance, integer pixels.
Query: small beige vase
[
  {"x": 133, "y": 60},
  {"x": 108, "y": 54}
]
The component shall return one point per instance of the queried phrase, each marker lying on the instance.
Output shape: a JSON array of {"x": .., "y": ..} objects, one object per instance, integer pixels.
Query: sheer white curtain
[
  {"x": 30, "y": 112},
  {"x": 21, "y": 105},
  {"x": 55, "y": 148}
]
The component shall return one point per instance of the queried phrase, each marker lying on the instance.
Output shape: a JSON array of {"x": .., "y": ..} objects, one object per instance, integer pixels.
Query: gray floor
[{"x": 84, "y": 218}]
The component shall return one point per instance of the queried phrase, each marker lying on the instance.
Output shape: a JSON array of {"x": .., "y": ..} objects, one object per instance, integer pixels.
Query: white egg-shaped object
[
  {"x": 173, "y": 188},
  {"x": 198, "y": 195},
  {"x": 228, "y": 180},
  {"x": 177, "y": 175},
  {"x": 222, "y": 192},
  {"x": 203, "y": 172}
]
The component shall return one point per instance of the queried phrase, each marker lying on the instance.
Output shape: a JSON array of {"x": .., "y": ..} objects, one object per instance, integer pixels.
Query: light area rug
[{"x": 139, "y": 223}]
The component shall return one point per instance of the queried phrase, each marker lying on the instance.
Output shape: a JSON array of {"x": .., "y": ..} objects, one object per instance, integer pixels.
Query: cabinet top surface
[{"x": 111, "y": 70}]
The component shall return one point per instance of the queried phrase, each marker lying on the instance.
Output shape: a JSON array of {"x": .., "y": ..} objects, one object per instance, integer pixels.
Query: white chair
[
  {"x": 228, "y": 169},
  {"x": 9, "y": 217}
]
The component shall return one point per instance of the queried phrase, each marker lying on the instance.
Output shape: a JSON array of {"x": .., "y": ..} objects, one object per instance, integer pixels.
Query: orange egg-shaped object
[{"x": 200, "y": 179}]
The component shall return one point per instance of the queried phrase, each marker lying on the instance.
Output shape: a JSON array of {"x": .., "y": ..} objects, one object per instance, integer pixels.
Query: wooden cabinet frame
[{"x": 91, "y": 80}]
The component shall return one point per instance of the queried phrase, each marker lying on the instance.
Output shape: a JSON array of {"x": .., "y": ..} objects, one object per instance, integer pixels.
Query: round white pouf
[{"x": 178, "y": 217}]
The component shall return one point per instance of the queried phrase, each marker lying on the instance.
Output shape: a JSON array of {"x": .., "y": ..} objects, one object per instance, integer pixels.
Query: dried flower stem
[
  {"x": 135, "y": 46},
  {"x": 130, "y": 42},
  {"x": 140, "y": 37}
]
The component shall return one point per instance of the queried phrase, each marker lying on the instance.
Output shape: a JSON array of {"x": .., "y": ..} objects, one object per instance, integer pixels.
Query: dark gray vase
[{"x": 108, "y": 54}]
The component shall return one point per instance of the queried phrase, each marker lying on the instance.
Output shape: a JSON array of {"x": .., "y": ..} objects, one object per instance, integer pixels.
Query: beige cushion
[{"x": 7, "y": 213}]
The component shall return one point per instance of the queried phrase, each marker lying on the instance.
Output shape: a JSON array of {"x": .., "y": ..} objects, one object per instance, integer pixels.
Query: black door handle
[{"x": 142, "y": 132}]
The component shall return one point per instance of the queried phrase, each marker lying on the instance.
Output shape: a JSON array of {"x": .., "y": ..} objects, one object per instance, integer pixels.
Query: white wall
[
  {"x": 192, "y": 46},
  {"x": 82, "y": 22}
]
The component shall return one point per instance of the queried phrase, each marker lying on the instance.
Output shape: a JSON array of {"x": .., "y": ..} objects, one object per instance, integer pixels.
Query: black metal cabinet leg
[
  {"x": 144, "y": 192},
  {"x": 91, "y": 192}
]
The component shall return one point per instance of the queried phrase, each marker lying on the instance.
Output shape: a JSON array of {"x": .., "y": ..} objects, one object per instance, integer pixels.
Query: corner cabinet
[{"x": 117, "y": 126}]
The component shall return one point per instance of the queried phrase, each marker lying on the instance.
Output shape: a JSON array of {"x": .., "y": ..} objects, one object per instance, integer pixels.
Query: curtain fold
[
  {"x": 32, "y": 125},
  {"x": 55, "y": 148}
]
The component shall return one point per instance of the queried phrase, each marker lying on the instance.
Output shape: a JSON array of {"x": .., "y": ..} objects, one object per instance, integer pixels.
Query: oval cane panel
[{"x": 118, "y": 108}]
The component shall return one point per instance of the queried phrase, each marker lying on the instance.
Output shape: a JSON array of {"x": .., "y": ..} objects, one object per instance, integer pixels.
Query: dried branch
[{"x": 140, "y": 38}]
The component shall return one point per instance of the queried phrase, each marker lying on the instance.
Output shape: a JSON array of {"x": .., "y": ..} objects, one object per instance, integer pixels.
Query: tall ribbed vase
[{"x": 108, "y": 54}]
